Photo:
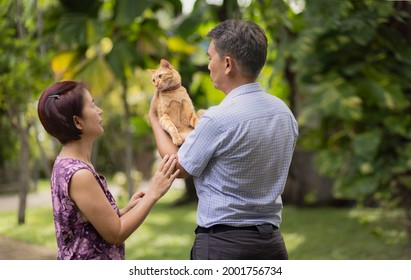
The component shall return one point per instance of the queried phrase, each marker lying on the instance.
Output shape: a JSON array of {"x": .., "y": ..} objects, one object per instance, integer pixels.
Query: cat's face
[{"x": 165, "y": 76}]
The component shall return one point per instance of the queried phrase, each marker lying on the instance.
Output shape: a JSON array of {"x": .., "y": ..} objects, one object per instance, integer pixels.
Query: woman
[{"x": 88, "y": 223}]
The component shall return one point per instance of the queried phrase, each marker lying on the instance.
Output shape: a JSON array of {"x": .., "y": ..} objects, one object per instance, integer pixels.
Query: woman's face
[{"x": 91, "y": 120}]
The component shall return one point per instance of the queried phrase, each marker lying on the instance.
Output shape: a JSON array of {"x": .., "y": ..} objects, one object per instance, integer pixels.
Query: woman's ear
[{"x": 77, "y": 122}]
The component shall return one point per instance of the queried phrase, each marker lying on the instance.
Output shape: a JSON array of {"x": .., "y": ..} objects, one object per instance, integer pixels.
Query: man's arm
[{"x": 164, "y": 143}]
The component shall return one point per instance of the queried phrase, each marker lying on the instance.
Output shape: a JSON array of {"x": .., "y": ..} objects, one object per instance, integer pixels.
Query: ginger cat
[{"x": 174, "y": 107}]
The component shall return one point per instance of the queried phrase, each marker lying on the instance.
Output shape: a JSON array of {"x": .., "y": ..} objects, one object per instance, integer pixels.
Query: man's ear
[
  {"x": 229, "y": 64},
  {"x": 77, "y": 122}
]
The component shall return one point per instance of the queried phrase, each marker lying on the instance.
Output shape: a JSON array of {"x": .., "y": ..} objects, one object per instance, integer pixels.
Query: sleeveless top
[{"x": 76, "y": 239}]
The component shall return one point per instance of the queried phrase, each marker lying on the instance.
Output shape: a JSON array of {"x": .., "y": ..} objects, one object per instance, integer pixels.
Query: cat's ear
[
  {"x": 151, "y": 71},
  {"x": 165, "y": 64}
]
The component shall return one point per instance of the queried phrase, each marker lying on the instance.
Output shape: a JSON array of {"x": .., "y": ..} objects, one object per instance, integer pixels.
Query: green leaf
[
  {"x": 403, "y": 54},
  {"x": 94, "y": 31},
  {"x": 64, "y": 63},
  {"x": 400, "y": 125},
  {"x": 121, "y": 59},
  {"x": 192, "y": 22},
  {"x": 389, "y": 96},
  {"x": 330, "y": 162},
  {"x": 405, "y": 180},
  {"x": 126, "y": 11},
  {"x": 150, "y": 43},
  {"x": 365, "y": 145},
  {"x": 97, "y": 74},
  {"x": 178, "y": 44},
  {"x": 78, "y": 30},
  {"x": 140, "y": 126},
  {"x": 355, "y": 188},
  {"x": 338, "y": 98}
]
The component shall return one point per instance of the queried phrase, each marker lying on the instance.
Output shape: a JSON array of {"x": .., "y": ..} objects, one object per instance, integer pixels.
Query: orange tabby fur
[{"x": 174, "y": 107}]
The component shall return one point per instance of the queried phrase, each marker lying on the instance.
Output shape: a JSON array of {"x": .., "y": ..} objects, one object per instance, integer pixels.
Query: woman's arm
[{"x": 95, "y": 207}]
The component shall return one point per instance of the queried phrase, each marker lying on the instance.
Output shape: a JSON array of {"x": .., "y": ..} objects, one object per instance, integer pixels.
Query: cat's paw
[
  {"x": 200, "y": 112},
  {"x": 177, "y": 141},
  {"x": 193, "y": 122}
]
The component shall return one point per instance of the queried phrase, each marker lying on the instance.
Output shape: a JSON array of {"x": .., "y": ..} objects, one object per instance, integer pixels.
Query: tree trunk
[
  {"x": 44, "y": 162},
  {"x": 128, "y": 150},
  {"x": 24, "y": 159},
  {"x": 24, "y": 167},
  {"x": 23, "y": 133}
]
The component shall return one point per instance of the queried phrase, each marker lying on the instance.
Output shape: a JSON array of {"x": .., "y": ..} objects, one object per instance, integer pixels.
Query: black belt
[{"x": 223, "y": 228}]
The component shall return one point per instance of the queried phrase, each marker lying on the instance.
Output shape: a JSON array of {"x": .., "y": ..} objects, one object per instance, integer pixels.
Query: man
[{"x": 239, "y": 152}]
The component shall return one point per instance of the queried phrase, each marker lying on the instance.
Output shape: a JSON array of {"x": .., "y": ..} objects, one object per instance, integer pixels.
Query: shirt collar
[{"x": 244, "y": 89}]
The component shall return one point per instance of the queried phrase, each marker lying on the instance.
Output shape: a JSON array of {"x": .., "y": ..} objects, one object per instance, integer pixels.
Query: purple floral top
[{"x": 76, "y": 239}]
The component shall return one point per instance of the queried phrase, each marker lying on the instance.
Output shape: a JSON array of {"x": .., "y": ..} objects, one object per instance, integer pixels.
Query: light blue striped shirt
[{"x": 239, "y": 156}]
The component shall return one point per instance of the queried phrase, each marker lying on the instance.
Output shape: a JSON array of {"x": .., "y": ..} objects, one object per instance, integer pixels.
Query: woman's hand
[
  {"x": 133, "y": 202},
  {"x": 164, "y": 177}
]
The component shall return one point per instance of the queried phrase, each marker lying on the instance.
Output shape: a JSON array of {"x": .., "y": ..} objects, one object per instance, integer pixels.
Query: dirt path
[{"x": 11, "y": 249}]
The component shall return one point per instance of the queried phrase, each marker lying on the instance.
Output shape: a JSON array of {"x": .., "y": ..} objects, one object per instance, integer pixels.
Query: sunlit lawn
[{"x": 310, "y": 233}]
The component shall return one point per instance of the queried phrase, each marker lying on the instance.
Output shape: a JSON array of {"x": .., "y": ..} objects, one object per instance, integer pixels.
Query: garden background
[{"x": 343, "y": 67}]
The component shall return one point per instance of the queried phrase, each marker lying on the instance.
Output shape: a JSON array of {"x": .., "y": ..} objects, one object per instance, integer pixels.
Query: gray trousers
[{"x": 265, "y": 243}]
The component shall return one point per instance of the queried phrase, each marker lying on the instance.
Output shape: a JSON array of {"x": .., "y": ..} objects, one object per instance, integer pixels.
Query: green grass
[
  {"x": 345, "y": 234},
  {"x": 310, "y": 233}
]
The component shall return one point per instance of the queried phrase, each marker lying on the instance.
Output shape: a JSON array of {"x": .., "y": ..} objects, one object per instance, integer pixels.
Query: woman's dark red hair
[{"x": 57, "y": 106}]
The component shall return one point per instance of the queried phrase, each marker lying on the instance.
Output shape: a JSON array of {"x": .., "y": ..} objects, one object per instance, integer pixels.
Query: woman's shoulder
[{"x": 69, "y": 165}]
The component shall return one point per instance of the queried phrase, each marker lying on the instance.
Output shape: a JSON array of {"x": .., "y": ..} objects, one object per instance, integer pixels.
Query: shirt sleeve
[{"x": 200, "y": 146}]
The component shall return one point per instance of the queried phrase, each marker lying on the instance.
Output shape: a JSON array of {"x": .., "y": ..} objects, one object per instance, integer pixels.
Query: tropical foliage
[{"x": 344, "y": 68}]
